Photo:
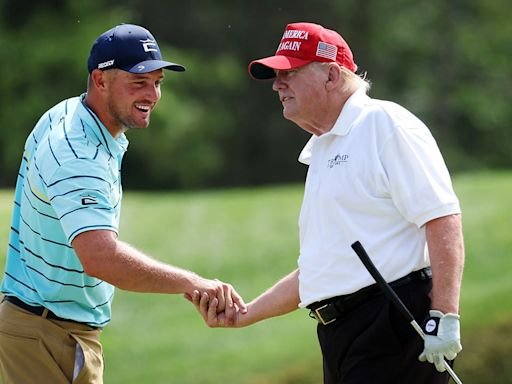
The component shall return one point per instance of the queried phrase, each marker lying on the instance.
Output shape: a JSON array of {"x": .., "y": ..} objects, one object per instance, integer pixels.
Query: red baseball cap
[{"x": 301, "y": 44}]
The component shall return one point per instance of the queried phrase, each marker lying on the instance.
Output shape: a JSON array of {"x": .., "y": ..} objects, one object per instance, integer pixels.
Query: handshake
[
  {"x": 220, "y": 311},
  {"x": 219, "y": 305},
  {"x": 223, "y": 306}
]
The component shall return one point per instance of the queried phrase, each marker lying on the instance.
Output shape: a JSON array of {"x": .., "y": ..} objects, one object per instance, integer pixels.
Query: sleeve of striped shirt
[{"x": 82, "y": 194}]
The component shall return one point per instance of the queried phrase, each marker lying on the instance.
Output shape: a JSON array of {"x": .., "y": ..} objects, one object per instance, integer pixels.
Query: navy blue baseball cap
[{"x": 128, "y": 47}]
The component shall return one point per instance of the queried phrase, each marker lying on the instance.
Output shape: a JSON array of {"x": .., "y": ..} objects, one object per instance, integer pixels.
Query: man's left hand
[{"x": 442, "y": 338}]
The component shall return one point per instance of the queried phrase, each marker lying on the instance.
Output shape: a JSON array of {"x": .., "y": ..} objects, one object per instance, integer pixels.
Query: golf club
[{"x": 391, "y": 295}]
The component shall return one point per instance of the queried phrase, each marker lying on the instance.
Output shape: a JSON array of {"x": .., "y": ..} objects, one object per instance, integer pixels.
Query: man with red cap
[{"x": 376, "y": 176}]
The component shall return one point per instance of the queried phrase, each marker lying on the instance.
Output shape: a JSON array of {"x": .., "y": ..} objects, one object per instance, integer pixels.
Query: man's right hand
[
  {"x": 218, "y": 298},
  {"x": 281, "y": 298},
  {"x": 213, "y": 315},
  {"x": 226, "y": 295}
]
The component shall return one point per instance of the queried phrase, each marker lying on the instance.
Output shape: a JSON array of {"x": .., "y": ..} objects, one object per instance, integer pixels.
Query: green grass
[
  {"x": 249, "y": 237},
  {"x": 487, "y": 218}
]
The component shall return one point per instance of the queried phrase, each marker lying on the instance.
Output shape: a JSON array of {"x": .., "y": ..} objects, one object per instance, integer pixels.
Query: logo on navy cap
[{"x": 148, "y": 44}]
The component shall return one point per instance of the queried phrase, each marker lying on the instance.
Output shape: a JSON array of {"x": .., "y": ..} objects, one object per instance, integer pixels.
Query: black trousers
[{"x": 374, "y": 343}]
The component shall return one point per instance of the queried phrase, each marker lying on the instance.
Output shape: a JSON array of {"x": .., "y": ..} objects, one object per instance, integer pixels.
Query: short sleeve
[
  {"x": 83, "y": 197},
  {"x": 419, "y": 180}
]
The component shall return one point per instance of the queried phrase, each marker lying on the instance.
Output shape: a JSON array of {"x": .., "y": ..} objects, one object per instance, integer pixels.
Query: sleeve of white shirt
[{"x": 419, "y": 181}]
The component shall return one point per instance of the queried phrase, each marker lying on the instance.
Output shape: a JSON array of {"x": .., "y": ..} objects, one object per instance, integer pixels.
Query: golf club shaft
[{"x": 391, "y": 295}]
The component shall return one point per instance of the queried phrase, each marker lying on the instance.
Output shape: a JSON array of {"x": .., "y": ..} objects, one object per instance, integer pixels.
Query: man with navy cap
[
  {"x": 376, "y": 176},
  {"x": 64, "y": 256}
]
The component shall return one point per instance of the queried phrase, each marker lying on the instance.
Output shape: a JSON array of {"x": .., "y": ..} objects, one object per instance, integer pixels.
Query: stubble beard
[{"x": 123, "y": 120}]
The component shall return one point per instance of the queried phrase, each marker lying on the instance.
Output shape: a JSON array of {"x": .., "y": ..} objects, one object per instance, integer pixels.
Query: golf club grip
[{"x": 365, "y": 259}]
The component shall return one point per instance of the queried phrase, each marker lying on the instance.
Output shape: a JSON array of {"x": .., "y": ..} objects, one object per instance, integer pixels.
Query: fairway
[{"x": 249, "y": 237}]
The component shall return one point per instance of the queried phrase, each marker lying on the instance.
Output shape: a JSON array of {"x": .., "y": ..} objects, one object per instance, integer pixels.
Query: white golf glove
[{"x": 442, "y": 338}]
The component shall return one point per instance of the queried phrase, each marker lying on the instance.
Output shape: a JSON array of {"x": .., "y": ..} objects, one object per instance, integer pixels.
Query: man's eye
[{"x": 290, "y": 72}]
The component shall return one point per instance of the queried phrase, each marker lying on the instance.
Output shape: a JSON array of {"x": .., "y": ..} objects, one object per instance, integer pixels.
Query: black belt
[
  {"x": 327, "y": 311},
  {"x": 36, "y": 310}
]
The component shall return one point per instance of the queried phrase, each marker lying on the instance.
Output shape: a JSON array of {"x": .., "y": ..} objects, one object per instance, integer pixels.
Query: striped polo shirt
[{"x": 69, "y": 182}]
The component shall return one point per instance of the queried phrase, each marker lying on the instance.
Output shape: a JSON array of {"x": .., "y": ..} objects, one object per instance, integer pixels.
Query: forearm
[
  {"x": 280, "y": 299},
  {"x": 446, "y": 251},
  {"x": 111, "y": 260},
  {"x": 132, "y": 270}
]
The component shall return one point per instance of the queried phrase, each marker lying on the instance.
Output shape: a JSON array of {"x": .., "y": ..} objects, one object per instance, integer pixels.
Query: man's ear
[
  {"x": 98, "y": 79},
  {"x": 334, "y": 77}
]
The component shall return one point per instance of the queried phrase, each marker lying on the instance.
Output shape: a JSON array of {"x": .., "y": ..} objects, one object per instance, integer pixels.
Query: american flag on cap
[{"x": 328, "y": 51}]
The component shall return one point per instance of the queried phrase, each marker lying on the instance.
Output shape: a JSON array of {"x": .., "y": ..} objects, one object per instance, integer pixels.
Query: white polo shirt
[{"x": 377, "y": 177}]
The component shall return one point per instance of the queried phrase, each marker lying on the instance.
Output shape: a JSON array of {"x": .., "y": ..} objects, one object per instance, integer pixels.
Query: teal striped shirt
[{"x": 69, "y": 182}]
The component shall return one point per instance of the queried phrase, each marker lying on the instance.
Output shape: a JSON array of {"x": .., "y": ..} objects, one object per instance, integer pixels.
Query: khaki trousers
[{"x": 34, "y": 349}]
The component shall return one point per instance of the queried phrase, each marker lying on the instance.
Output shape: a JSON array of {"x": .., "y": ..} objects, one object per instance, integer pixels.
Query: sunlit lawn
[{"x": 249, "y": 238}]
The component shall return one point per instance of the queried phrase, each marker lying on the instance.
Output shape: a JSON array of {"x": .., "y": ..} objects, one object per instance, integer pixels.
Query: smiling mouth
[
  {"x": 143, "y": 108},
  {"x": 285, "y": 98}
]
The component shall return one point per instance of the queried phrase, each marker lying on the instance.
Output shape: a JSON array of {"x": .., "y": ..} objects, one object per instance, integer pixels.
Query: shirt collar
[
  {"x": 114, "y": 146},
  {"x": 349, "y": 113}
]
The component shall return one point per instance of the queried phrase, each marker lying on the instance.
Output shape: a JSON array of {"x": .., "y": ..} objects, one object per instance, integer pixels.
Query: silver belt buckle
[{"x": 319, "y": 317}]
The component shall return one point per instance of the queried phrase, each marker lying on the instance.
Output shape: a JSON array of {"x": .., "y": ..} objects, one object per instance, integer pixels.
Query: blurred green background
[
  {"x": 214, "y": 184},
  {"x": 447, "y": 61}
]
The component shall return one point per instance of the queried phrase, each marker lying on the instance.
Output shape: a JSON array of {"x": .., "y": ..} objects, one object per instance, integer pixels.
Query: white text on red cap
[{"x": 292, "y": 45}]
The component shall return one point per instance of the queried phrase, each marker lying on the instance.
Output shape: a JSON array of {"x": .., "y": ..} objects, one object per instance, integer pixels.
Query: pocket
[
  {"x": 91, "y": 359},
  {"x": 79, "y": 361},
  {"x": 416, "y": 300},
  {"x": 26, "y": 360},
  {"x": 391, "y": 328}
]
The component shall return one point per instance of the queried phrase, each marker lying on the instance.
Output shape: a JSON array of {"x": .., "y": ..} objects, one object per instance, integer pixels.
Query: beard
[{"x": 123, "y": 117}]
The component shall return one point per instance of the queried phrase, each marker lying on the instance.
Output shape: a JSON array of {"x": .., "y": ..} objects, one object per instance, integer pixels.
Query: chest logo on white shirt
[{"x": 337, "y": 160}]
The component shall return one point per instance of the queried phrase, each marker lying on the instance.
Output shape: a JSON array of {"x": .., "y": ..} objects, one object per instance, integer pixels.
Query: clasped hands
[{"x": 219, "y": 306}]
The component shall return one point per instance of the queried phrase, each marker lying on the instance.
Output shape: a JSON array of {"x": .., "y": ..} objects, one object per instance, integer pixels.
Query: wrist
[
  {"x": 438, "y": 313},
  {"x": 445, "y": 302},
  {"x": 186, "y": 281}
]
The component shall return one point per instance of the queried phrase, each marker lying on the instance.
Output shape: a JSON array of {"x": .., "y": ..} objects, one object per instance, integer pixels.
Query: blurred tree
[
  {"x": 445, "y": 61},
  {"x": 45, "y": 47},
  {"x": 184, "y": 148}
]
